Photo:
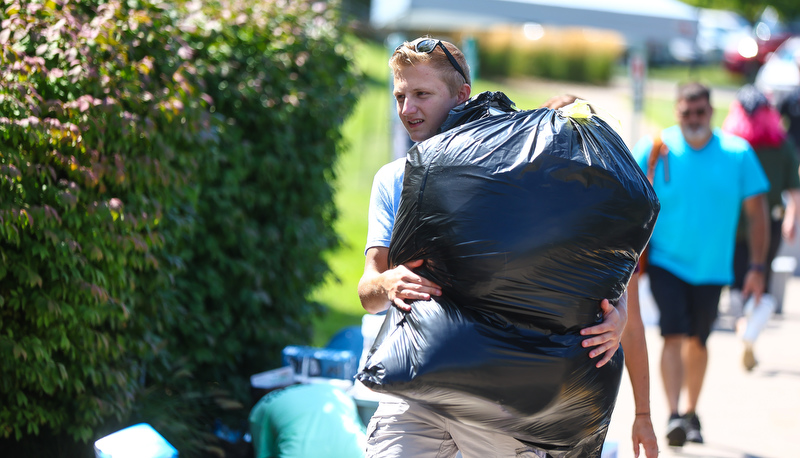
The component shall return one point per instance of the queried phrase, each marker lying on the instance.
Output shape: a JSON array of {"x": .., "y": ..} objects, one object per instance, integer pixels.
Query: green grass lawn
[
  {"x": 712, "y": 74},
  {"x": 368, "y": 147}
]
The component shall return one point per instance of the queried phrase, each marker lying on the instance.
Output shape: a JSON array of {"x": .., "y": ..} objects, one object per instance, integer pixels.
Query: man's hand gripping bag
[{"x": 527, "y": 220}]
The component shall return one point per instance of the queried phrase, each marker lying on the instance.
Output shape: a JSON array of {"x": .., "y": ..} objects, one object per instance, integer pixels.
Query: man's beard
[{"x": 696, "y": 134}]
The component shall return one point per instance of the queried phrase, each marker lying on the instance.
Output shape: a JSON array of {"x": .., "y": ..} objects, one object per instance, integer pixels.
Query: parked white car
[
  {"x": 780, "y": 74},
  {"x": 716, "y": 29}
]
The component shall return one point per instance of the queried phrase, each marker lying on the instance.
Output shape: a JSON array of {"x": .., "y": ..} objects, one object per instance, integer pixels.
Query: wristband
[
  {"x": 642, "y": 413},
  {"x": 757, "y": 267}
]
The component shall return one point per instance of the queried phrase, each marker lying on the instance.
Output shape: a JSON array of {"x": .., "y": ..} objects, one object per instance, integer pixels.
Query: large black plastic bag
[{"x": 527, "y": 220}]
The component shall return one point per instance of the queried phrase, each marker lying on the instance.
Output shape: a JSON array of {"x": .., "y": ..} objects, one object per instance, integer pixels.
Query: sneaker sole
[{"x": 676, "y": 437}]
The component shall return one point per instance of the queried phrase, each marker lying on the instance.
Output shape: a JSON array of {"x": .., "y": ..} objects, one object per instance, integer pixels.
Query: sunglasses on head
[
  {"x": 699, "y": 112},
  {"x": 429, "y": 44}
]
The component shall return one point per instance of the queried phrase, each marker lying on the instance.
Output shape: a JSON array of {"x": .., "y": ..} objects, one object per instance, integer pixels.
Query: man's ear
[{"x": 463, "y": 93}]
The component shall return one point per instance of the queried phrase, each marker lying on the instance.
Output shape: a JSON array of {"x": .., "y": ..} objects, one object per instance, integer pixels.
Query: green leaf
[{"x": 19, "y": 352}]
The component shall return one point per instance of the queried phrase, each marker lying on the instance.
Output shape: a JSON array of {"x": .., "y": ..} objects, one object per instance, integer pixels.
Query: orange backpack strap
[{"x": 658, "y": 151}]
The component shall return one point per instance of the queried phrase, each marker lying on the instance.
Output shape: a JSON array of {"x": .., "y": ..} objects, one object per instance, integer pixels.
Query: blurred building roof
[{"x": 639, "y": 21}]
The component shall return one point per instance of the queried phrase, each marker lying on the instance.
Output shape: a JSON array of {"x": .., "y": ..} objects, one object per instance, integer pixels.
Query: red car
[{"x": 746, "y": 53}]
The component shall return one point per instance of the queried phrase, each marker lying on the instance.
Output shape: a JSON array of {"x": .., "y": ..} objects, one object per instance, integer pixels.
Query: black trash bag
[
  {"x": 527, "y": 220},
  {"x": 481, "y": 106}
]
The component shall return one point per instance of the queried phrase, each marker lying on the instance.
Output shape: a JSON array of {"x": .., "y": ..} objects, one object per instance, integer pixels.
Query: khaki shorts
[{"x": 404, "y": 429}]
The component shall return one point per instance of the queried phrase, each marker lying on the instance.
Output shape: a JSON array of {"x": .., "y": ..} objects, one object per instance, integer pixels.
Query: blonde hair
[{"x": 406, "y": 56}]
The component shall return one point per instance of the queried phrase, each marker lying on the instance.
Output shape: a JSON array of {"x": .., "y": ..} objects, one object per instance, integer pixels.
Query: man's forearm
[
  {"x": 635, "y": 347},
  {"x": 793, "y": 204},
  {"x": 758, "y": 223},
  {"x": 371, "y": 294},
  {"x": 636, "y": 361}
]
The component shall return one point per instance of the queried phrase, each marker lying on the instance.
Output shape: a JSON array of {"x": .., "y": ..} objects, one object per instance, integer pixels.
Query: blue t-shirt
[
  {"x": 384, "y": 201},
  {"x": 695, "y": 232}
]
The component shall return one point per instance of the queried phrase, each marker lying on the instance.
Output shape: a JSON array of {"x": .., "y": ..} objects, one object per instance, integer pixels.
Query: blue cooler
[{"x": 321, "y": 362}]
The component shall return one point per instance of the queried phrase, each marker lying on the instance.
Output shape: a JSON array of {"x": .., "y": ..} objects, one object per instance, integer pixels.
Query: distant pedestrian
[
  {"x": 789, "y": 107},
  {"x": 702, "y": 177},
  {"x": 753, "y": 118}
]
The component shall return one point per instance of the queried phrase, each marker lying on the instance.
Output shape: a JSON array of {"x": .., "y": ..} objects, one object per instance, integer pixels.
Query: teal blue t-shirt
[
  {"x": 700, "y": 204},
  {"x": 307, "y": 421}
]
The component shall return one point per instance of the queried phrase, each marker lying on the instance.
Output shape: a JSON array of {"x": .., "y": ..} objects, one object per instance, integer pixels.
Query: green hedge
[
  {"x": 559, "y": 54},
  {"x": 281, "y": 87},
  {"x": 164, "y": 203},
  {"x": 96, "y": 155}
]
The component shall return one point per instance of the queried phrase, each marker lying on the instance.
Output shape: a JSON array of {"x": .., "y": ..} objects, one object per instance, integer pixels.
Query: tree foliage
[
  {"x": 164, "y": 198},
  {"x": 788, "y": 10},
  {"x": 280, "y": 86},
  {"x": 96, "y": 151}
]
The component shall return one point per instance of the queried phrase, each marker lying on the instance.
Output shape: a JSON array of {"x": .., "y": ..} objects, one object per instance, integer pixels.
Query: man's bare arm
[
  {"x": 755, "y": 208},
  {"x": 636, "y": 361},
  {"x": 381, "y": 286}
]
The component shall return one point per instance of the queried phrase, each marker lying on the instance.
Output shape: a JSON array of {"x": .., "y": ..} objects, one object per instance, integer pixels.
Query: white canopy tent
[{"x": 639, "y": 21}]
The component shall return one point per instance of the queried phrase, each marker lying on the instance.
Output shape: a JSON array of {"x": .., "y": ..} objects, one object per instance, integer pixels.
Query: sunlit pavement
[{"x": 743, "y": 414}]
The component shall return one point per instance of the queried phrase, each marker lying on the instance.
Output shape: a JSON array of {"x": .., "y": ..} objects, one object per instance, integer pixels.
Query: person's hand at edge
[
  {"x": 788, "y": 229},
  {"x": 644, "y": 437},
  {"x": 789, "y": 225},
  {"x": 753, "y": 285}
]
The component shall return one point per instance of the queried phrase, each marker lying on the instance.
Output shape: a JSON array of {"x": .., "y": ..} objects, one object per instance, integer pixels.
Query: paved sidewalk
[{"x": 744, "y": 414}]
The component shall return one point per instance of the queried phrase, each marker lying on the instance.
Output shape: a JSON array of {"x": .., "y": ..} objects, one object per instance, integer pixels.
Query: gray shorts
[{"x": 404, "y": 429}]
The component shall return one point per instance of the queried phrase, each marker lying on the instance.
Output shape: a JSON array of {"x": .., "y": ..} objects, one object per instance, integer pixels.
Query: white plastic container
[
  {"x": 757, "y": 316},
  {"x": 276, "y": 378},
  {"x": 137, "y": 441},
  {"x": 783, "y": 268}
]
